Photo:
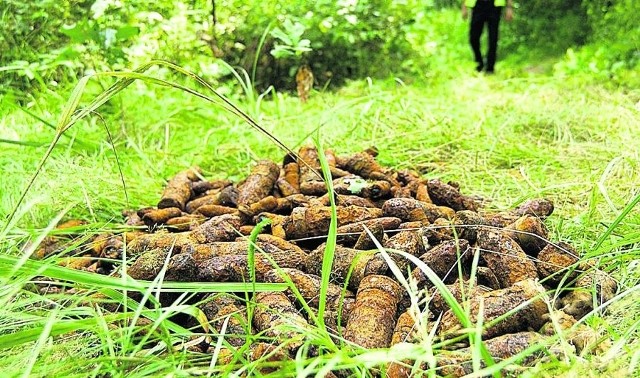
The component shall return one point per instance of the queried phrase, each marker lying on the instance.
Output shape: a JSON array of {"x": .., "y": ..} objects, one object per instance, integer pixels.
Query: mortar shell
[
  {"x": 505, "y": 257},
  {"x": 372, "y": 319},
  {"x": 259, "y": 183},
  {"x": 178, "y": 190}
]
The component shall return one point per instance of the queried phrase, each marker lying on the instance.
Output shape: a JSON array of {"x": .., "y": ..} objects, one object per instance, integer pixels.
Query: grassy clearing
[{"x": 504, "y": 138}]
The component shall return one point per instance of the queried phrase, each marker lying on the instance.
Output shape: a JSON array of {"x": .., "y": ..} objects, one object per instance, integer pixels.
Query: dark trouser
[{"x": 485, "y": 12}]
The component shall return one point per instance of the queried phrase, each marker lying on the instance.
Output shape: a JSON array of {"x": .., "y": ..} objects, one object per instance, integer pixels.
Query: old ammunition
[
  {"x": 148, "y": 264},
  {"x": 365, "y": 242},
  {"x": 292, "y": 176},
  {"x": 209, "y": 199},
  {"x": 259, "y": 183},
  {"x": 496, "y": 303},
  {"x": 234, "y": 268},
  {"x": 349, "y": 233},
  {"x": 265, "y": 204},
  {"x": 555, "y": 262},
  {"x": 178, "y": 190},
  {"x": 409, "y": 241},
  {"x": 593, "y": 286},
  {"x": 313, "y": 221},
  {"x": 160, "y": 216},
  {"x": 443, "y": 259},
  {"x": 505, "y": 257},
  {"x": 364, "y": 264},
  {"x": 410, "y": 209},
  {"x": 220, "y": 228},
  {"x": 450, "y": 196},
  {"x": 310, "y": 181},
  {"x": 210, "y": 211},
  {"x": 218, "y": 307},
  {"x": 466, "y": 224},
  {"x": 540, "y": 208},
  {"x": 309, "y": 287},
  {"x": 530, "y": 233},
  {"x": 162, "y": 240},
  {"x": 278, "y": 318},
  {"x": 372, "y": 319},
  {"x": 203, "y": 186}
]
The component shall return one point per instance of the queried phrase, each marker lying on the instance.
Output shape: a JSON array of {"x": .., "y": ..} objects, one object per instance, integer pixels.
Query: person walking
[{"x": 485, "y": 12}]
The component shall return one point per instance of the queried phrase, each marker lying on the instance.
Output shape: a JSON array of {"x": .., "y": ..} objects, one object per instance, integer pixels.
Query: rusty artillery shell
[
  {"x": 277, "y": 317},
  {"x": 310, "y": 182},
  {"x": 211, "y": 211},
  {"x": 365, "y": 242},
  {"x": 363, "y": 164},
  {"x": 162, "y": 240},
  {"x": 277, "y": 224},
  {"x": 292, "y": 176},
  {"x": 364, "y": 264},
  {"x": 349, "y": 233},
  {"x": 505, "y": 257},
  {"x": 443, "y": 259},
  {"x": 499, "y": 220},
  {"x": 344, "y": 200},
  {"x": 259, "y": 183},
  {"x": 372, "y": 318},
  {"x": 422, "y": 192},
  {"x": 285, "y": 188},
  {"x": 178, "y": 190},
  {"x": 497, "y": 303},
  {"x": 441, "y": 230},
  {"x": 220, "y": 306},
  {"x": 209, "y": 199},
  {"x": 555, "y": 261},
  {"x": 450, "y": 196},
  {"x": 467, "y": 223},
  {"x": 221, "y": 228},
  {"x": 540, "y": 207},
  {"x": 314, "y": 221},
  {"x": 354, "y": 185},
  {"x": 309, "y": 287},
  {"x": 530, "y": 233},
  {"x": 203, "y": 186},
  {"x": 409, "y": 241},
  {"x": 581, "y": 337},
  {"x": 266, "y": 204},
  {"x": 404, "y": 330},
  {"x": 265, "y": 243},
  {"x": 182, "y": 267},
  {"x": 270, "y": 355},
  {"x": 459, "y": 363},
  {"x": 594, "y": 285},
  {"x": 148, "y": 264},
  {"x": 461, "y": 291},
  {"x": 486, "y": 277},
  {"x": 185, "y": 222},
  {"x": 160, "y": 216},
  {"x": 410, "y": 209},
  {"x": 234, "y": 268}
]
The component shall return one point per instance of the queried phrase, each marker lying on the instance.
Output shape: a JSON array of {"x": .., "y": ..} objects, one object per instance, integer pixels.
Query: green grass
[{"x": 506, "y": 138}]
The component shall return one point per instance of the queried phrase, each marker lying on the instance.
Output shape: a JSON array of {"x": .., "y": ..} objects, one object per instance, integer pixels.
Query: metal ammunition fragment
[
  {"x": 234, "y": 268},
  {"x": 505, "y": 257},
  {"x": 148, "y": 264},
  {"x": 410, "y": 209},
  {"x": 450, "y": 196},
  {"x": 554, "y": 263},
  {"x": 178, "y": 190},
  {"x": 203, "y": 186},
  {"x": 259, "y": 183},
  {"x": 349, "y": 233},
  {"x": 218, "y": 307},
  {"x": 365, "y": 242},
  {"x": 530, "y": 233},
  {"x": 266, "y": 204},
  {"x": 364, "y": 264},
  {"x": 443, "y": 259},
  {"x": 466, "y": 224},
  {"x": 162, "y": 240},
  {"x": 210, "y": 211},
  {"x": 497, "y": 303},
  {"x": 160, "y": 216},
  {"x": 540, "y": 207},
  {"x": 409, "y": 241},
  {"x": 278, "y": 318},
  {"x": 221, "y": 228},
  {"x": 593, "y": 286},
  {"x": 314, "y": 221},
  {"x": 292, "y": 176},
  {"x": 311, "y": 183},
  {"x": 309, "y": 287},
  {"x": 372, "y": 319},
  {"x": 185, "y": 222}
]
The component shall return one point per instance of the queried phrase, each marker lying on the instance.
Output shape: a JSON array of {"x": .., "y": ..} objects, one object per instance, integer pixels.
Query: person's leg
[
  {"x": 493, "y": 20},
  {"x": 475, "y": 31}
]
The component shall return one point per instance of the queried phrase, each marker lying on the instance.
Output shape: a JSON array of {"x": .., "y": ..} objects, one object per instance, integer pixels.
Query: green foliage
[{"x": 348, "y": 39}]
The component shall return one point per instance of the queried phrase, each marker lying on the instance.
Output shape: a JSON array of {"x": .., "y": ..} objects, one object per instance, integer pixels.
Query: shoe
[
  {"x": 490, "y": 71},
  {"x": 479, "y": 67}
]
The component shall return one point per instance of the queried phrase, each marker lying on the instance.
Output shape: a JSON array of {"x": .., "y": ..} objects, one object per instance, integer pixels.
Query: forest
[{"x": 203, "y": 188}]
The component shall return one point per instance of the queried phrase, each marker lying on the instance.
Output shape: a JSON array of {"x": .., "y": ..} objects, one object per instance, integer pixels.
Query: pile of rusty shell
[
  {"x": 221, "y": 228},
  {"x": 461, "y": 290},
  {"x": 178, "y": 190},
  {"x": 348, "y": 234},
  {"x": 411, "y": 242},
  {"x": 528, "y": 296},
  {"x": 160, "y": 240},
  {"x": 373, "y": 316},
  {"x": 278, "y": 318}
]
